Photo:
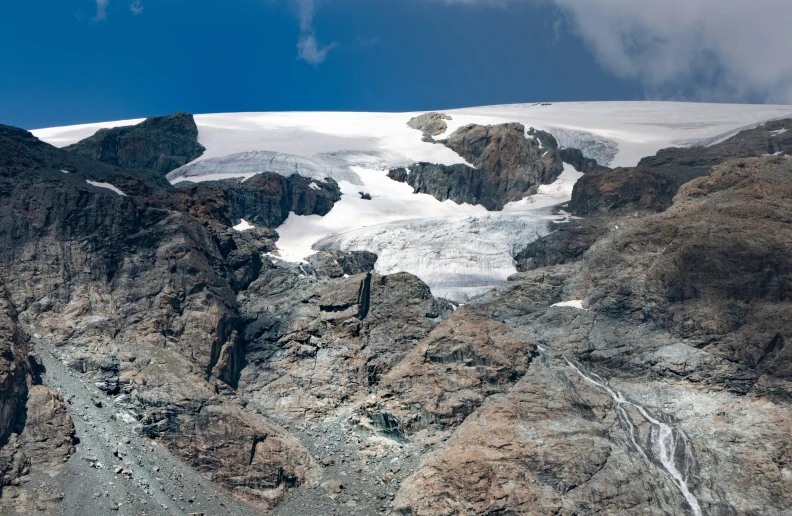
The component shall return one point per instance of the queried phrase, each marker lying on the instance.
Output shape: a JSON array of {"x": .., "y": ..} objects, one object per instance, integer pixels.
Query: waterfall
[{"x": 664, "y": 440}]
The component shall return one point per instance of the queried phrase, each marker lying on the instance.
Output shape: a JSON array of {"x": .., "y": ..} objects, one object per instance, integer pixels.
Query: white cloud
[
  {"x": 308, "y": 48},
  {"x": 703, "y": 49},
  {"x": 136, "y": 7},
  {"x": 101, "y": 10}
]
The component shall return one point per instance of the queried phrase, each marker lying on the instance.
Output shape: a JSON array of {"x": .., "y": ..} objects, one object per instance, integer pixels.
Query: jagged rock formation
[
  {"x": 145, "y": 300},
  {"x": 36, "y": 433},
  {"x": 625, "y": 406},
  {"x": 654, "y": 182},
  {"x": 329, "y": 341},
  {"x": 160, "y": 143},
  {"x": 721, "y": 274},
  {"x": 508, "y": 166},
  {"x": 640, "y": 364},
  {"x": 430, "y": 124},
  {"x": 335, "y": 264},
  {"x": 265, "y": 199}
]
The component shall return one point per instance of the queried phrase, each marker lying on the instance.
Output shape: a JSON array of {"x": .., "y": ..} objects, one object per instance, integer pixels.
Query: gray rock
[
  {"x": 430, "y": 124},
  {"x": 509, "y": 166},
  {"x": 159, "y": 143}
]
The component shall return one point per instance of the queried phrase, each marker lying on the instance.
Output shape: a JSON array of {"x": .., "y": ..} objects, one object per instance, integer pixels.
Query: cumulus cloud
[
  {"x": 101, "y": 10},
  {"x": 699, "y": 49},
  {"x": 308, "y": 48},
  {"x": 136, "y": 7}
]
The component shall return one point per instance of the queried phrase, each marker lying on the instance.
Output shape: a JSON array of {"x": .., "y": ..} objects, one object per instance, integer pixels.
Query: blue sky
[{"x": 75, "y": 61}]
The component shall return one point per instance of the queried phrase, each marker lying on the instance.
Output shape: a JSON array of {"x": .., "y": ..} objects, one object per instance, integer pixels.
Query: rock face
[
  {"x": 161, "y": 143},
  {"x": 265, "y": 199},
  {"x": 654, "y": 182},
  {"x": 36, "y": 432},
  {"x": 580, "y": 163},
  {"x": 451, "y": 372},
  {"x": 640, "y": 363},
  {"x": 509, "y": 166},
  {"x": 143, "y": 303},
  {"x": 564, "y": 245},
  {"x": 621, "y": 190},
  {"x": 430, "y": 124},
  {"x": 720, "y": 274},
  {"x": 626, "y": 406}
]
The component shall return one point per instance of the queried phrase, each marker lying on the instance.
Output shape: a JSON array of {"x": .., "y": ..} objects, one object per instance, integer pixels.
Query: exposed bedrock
[
  {"x": 656, "y": 398},
  {"x": 315, "y": 346},
  {"x": 36, "y": 432},
  {"x": 263, "y": 200},
  {"x": 714, "y": 269},
  {"x": 565, "y": 244},
  {"x": 654, "y": 182},
  {"x": 430, "y": 124},
  {"x": 140, "y": 298},
  {"x": 160, "y": 143},
  {"x": 508, "y": 166}
]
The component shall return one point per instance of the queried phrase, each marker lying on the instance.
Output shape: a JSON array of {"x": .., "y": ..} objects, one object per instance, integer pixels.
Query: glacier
[{"x": 459, "y": 250}]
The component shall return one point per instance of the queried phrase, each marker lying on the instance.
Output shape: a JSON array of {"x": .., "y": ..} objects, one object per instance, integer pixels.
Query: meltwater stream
[{"x": 664, "y": 440}]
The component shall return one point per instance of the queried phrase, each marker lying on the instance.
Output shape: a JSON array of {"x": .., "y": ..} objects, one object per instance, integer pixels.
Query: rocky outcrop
[
  {"x": 139, "y": 297},
  {"x": 335, "y": 264},
  {"x": 654, "y": 182},
  {"x": 714, "y": 269},
  {"x": 621, "y": 190},
  {"x": 513, "y": 163},
  {"x": 578, "y": 161},
  {"x": 508, "y": 166},
  {"x": 451, "y": 372},
  {"x": 263, "y": 200},
  {"x": 329, "y": 341},
  {"x": 430, "y": 124},
  {"x": 160, "y": 143},
  {"x": 460, "y": 183},
  {"x": 36, "y": 433},
  {"x": 565, "y": 244}
]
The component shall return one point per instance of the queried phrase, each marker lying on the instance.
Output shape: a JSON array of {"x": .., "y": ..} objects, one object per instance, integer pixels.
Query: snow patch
[
  {"x": 107, "y": 186},
  {"x": 577, "y": 303},
  {"x": 314, "y": 186},
  {"x": 65, "y": 171},
  {"x": 243, "y": 226},
  {"x": 779, "y": 132}
]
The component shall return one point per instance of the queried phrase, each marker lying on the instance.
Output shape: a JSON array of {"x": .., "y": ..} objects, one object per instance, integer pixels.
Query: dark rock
[
  {"x": 263, "y": 200},
  {"x": 564, "y": 245},
  {"x": 546, "y": 139},
  {"x": 365, "y": 196},
  {"x": 335, "y": 264},
  {"x": 715, "y": 268},
  {"x": 162, "y": 143},
  {"x": 580, "y": 163},
  {"x": 654, "y": 182},
  {"x": 509, "y": 166},
  {"x": 512, "y": 165},
  {"x": 621, "y": 190}
]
